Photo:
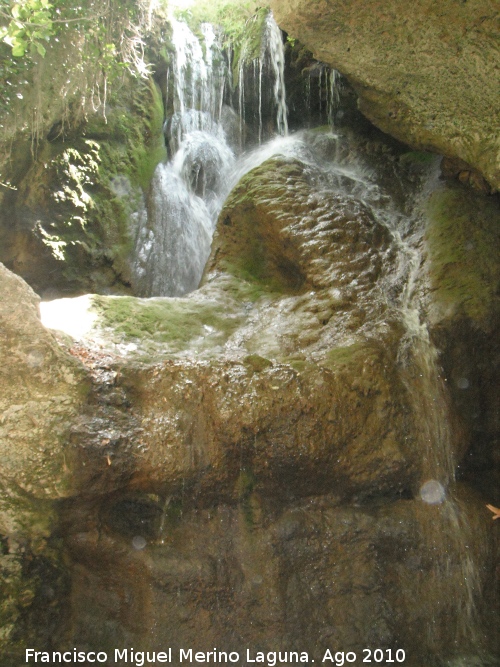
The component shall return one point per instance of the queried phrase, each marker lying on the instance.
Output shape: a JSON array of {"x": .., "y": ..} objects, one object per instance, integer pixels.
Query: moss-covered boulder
[{"x": 275, "y": 229}]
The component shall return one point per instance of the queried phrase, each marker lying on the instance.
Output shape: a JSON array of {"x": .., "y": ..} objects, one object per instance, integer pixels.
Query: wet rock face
[
  {"x": 307, "y": 575},
  {"x": 301, "y": 392},
  {"x": 279, "y": 230},
  {"x": 241, "y": 467},
  {"x": 255, "y": 491},
  {"x": 42, "y": 391},
  {"x": 418, "y": 75}
]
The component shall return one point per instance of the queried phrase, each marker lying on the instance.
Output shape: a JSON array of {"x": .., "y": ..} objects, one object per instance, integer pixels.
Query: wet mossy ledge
[{"x": 166, "y": 325}]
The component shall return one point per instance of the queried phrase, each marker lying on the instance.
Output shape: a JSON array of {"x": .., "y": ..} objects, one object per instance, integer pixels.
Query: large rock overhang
[{"x": 429, "y": 75}]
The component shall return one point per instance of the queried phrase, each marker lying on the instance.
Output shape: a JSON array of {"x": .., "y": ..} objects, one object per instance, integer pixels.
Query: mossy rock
[
  {"x": 173, "y": 323},
  {"x": 74, "y": 230},
  {"x": 277, "y": 231},
  {"x": 462, "y": 238}
]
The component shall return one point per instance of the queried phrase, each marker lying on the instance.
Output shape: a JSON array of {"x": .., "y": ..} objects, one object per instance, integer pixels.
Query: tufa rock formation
[{"x": 429, "y": 76}]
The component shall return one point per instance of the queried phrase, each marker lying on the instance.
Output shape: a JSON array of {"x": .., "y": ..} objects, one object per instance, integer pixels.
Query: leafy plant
[{"x": 30, "y": 23}]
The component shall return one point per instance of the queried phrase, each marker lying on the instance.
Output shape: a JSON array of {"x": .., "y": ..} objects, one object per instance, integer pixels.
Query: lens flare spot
[{"x": 432, "y": 492}]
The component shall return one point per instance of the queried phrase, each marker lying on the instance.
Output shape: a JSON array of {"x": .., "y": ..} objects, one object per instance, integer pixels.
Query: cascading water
[
  {"x": 272, "y": 50},
  {"x": 261, "y": 85},
  {"x": 173, "y": 239},
  {"x": 446, "y": 532}
]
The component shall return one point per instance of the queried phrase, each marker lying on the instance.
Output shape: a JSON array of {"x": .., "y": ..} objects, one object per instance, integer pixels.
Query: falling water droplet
[
  {"x": 138, "y": 542},
  {"x": 463, "y": 383},
  {"x": 432, "y": 492}
]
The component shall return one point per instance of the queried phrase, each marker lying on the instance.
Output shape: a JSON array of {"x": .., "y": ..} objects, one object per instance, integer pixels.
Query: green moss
[
  {"x": 255, "y": 267},
  {"x": 248, "y": 244},
  {"x": 89, "y": 226},
  {"x": 149, "y": 148},
  {"x": 248, "y": 43},
  {"x": 175, "y": 322},
  {"x": 241, "y": 290},
  {"x": 133, "y": 135},
  {"x": 463, "y": 237},
  {"x": 417, "y": 157},
  {"x": 248, "y": 501},
  {"x": 256, "y": 363},
  {"x": 298, "y": 364},
  {"x": 343, "y": 356}
]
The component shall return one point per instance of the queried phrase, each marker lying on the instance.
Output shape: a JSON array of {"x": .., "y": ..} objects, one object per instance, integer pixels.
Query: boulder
[{"x": 429, "y": 77}]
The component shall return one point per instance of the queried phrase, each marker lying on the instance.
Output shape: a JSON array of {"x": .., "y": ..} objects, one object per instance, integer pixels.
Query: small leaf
[
  {"x": 19, "y": 49},
  {"x": 41, "y": 49},
  {"x": 40, "y": 17}
]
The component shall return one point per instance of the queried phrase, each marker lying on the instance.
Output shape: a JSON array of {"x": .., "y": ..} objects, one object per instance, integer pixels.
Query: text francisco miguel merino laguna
[{"x": 140, "y": 658}]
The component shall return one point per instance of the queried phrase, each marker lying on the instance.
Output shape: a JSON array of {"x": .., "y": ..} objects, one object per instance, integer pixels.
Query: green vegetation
[
  {"x": 417, "y": 157},
  {"x": 89, "y": 224},
  {"x": 29, "y": 23},
  {"x": 90, "y": 47},
  {"x": 176, "y": 322},
  {"x": 230, "y": 15},
  {"x": 343, "y": 356},
  {"x": 463, "y": 237},
  {"x": 256, "y": 363}
]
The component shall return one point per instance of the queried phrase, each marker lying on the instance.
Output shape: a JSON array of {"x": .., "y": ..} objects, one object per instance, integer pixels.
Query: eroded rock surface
[
  {"x": 429, "y": 76},
  {"x": 42, "y": 391},
  {"x": 243, "y": 466}
]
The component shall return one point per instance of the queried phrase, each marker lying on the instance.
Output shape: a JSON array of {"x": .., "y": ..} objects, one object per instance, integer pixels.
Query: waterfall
[
  {"x": 173, "y": 245},
  {"x": 261, "y": 84},
  {"x": 173, "y": 240},
  {"x": 273, "y": 51},
  {"x": 446, "y": 532}
]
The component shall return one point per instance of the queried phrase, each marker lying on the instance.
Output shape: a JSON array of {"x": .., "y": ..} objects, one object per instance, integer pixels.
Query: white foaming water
[
  {"x": 173, "y": 242},
  {"x": 200, "y": 76},
  {"x": 170, "y": 257},
  {"x": 273, "y": 49}
]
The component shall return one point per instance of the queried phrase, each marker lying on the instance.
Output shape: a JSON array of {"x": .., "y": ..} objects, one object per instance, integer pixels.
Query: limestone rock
[
  {"x": 243, "y": 465},
  {"x": 429, "y": 77},
  {"x": 308, "y": 575},
  {"x": 42, "y": 389}
]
